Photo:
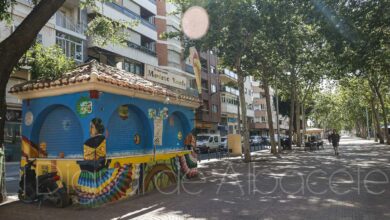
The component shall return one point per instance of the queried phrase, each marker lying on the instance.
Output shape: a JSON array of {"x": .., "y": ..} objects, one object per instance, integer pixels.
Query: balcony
[
  {"x": 67, "y": 25},
  {"x": 258, "y": 125},
  {"x": 149, "y": 5},
  {"x": 228, "y": 108},
  {"x": 230, "y": 90},
  {"x": 228, "y": 76},
  {"x": 132, "y": 15},
  {"x": 147, "y": 50},
  {"x": 132, "y": 51},
  {"x": 189, "y": 69},
  {"x": 119, "y": 13}
]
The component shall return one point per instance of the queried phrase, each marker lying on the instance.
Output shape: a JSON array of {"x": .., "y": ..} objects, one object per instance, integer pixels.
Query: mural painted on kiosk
[{"x": 100, "y": 180}]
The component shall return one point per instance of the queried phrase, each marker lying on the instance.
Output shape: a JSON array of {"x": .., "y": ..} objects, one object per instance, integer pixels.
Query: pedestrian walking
[{"x": 335, "y": 139}]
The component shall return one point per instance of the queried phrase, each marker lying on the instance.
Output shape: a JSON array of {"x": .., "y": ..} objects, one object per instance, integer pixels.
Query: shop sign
[
  {"x": 162, "y": 76},
  {"x": 232, "y": 120},
  {"x": 84, "y": 106}
]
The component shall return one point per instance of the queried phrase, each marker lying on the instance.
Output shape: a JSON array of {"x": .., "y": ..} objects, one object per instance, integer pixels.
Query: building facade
[
  {"x": 208, "y": 116},
  {"x": 230, "y": 102},
  {"x": 259, "y": 125},
  {"x": 170, "y": 51},
  {"x": 140, "y": 46}
]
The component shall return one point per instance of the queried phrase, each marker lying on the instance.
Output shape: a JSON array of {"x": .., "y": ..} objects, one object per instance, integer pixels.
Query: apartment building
[
  {"x": 170, "y": 51},
  {"x": 139, "y": 51},
  {"x": 208, "y": 116},
  {"x": 230, "y": 102},
  {"x": 66, "y": 29},
  {"x": 259, "y": 125}
]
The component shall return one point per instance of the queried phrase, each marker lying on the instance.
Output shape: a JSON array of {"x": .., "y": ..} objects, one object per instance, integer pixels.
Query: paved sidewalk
[{"x": 299, "y": 185}]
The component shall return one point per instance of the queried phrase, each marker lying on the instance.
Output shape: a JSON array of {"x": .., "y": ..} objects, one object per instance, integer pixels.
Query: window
[
  {"x": 203, "y": 63},
  {"x": 216, "y": 139},
  {"x": 206, "y": 106},
  {"x": 133, "y": 67},
  {"x": 263, "y": 119},
  {"x": 205, "y": 85},
  {"x": 213, "y": 88},
  {"x": 72, "y": 46},
  {"x": 262, "y": 107},
  {"x": 214, "y": 108}
]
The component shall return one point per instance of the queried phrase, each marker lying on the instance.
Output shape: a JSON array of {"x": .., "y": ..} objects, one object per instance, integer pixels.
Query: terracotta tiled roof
[{"x": 94, "y": 71}]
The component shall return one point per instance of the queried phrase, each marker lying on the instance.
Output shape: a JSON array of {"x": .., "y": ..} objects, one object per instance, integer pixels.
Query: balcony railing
[
  {"x": 230, "y": 74},
  {"x": 68, "y": 23},
  {"x": 131, "y": 14},
  {"x": 141, "y": 48},
  {"x": 229, "y": 90},
  {"x": 189, "y": 69}
]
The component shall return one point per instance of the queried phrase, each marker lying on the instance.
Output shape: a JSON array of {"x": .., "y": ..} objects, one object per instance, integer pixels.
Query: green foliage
[
  {"x": 47, "y": 62},
  {"x": 104, "y": 30},
  {"x": 5, "y": 15}
]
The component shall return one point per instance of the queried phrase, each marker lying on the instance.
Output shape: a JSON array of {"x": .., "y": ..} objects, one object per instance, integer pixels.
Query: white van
[{"x": 208, "y": 142}]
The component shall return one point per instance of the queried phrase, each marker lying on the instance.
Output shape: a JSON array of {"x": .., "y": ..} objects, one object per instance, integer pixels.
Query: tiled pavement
[{"x": 299, "y": 185}]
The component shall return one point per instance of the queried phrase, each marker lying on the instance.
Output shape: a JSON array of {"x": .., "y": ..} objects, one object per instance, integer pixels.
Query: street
[
  {"x": 12, "y": 177},
  {"x": 297, "y": 185}
]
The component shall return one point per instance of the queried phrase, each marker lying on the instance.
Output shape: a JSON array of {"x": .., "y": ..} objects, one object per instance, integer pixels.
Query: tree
[
  {"x": 47, "y": 62},
  {"x": 358, "y": 33},
  {"x": 231, "y": 38}
]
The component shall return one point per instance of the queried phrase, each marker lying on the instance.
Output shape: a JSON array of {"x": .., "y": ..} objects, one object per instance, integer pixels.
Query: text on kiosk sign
[{"x": 164, "y": 77}]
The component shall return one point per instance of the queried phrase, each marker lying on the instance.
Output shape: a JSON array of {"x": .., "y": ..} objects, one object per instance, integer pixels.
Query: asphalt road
[
  {"x": 12, "y": 177},
  {"x": 297, "y": 185}
]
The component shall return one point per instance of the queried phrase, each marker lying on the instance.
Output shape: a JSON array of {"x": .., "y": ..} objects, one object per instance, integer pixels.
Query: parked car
[
  {"x": 208, "y": 142},
  {"x": 314, "y": 142},
  {"x": 265, "y": 141},
  {"x": 223, "y": 146},
  {"x": 255, "y": 140}
]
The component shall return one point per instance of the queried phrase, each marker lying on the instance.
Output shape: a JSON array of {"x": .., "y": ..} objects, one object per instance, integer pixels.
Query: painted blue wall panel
[
  {"x": 121, "y": 133},
  {"x": 172, "y": 127},
  {"x": 104, "y": 107},
  {"x": 61, "y": 131}
]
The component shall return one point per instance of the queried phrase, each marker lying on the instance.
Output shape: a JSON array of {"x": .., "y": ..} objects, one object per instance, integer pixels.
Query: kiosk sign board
[
  {"x": 162, "y": 76},
  {"x": 158, "y": 131}
]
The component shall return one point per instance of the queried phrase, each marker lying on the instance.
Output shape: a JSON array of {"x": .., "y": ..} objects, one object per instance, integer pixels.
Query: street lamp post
[{"x": 277, "y": 118}]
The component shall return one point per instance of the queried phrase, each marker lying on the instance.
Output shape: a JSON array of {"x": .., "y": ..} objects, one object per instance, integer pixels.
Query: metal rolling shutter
[
  {"x": 121, "y": 132},
  {"x": 61, "y": 131},
  {"x": 170, "y": 138}
]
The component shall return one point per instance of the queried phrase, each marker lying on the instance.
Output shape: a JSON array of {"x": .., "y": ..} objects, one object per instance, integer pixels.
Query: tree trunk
[
  {"x": 377, "y": 124},
  {"x": 244, "y": 131},
  {"x": 384, "y": 114},
  {"x": 303, "y": 121},
  {"x": 373, "y": 124},
  {"x": 15, "y": 46},
  {"x": 292, "y": 106},
  {"x": 298, "y": 121},
  {"x": 269, "y": 115}
]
